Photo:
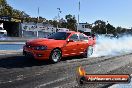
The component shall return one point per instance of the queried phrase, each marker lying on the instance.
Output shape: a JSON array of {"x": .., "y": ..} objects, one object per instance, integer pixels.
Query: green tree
[
  {"x": 54, "y": 23},
  {"x": 3, "y": 4},
  {"x": 118, "y": 30},
  {"x": 64, "y": 25},
  {"x": 110, "y": 29},
  {"x": 8, "y": 10},
  {"x": 41, "y": 19},
  {"x": 100, "y": 27},
  {"x": 71, "y": 22}
]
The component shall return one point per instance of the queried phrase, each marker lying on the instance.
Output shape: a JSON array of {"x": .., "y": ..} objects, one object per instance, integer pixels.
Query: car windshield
[{"x": 59, "y": 36}]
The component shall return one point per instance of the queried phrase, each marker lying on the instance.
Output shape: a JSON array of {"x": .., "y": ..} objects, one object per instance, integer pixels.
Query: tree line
[
  {"x": 7, "y": 10},
  {"x": 70, "y": 22}
]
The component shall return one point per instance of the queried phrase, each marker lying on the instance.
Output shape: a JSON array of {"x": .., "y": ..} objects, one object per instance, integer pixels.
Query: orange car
[{"x": 58, "y": 45}]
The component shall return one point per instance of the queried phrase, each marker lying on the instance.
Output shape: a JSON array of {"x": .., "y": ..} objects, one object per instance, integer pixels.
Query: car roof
[{"x": 72, "y": 32}]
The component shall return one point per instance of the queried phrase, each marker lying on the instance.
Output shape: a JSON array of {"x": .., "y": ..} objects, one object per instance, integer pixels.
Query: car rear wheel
[
  {"x": 88, "y": 52},
  {"x": 55, "y": 56}
]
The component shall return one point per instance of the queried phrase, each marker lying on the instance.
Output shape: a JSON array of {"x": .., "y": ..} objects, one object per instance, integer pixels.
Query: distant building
[
  {"x": 84, "y": 27},
  {"x": 10, "y": 26},
  {"x": 2, "y": 31},
  {"x": 62, "y": 29},
  {"x": 39, "y": 29}
]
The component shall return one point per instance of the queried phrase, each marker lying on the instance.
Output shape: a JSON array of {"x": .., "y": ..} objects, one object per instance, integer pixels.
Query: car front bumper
[{"x": 37, "y": 54}]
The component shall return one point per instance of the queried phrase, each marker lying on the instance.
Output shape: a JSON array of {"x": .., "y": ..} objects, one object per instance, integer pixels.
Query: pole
[
  {"x": 37, "y": 24},
  {"x": 38, "y": 13},
  {"x": 59, "y": 11},
  {"x": 106, "y": 27},
  {"x": 78, "y": 15}
]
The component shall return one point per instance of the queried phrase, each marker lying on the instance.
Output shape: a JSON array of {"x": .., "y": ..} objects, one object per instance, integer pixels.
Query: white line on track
[{"x": 51, "y": 82}]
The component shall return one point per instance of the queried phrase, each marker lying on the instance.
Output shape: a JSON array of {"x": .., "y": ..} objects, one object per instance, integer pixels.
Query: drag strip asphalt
[{"x": 18, "y": 71}]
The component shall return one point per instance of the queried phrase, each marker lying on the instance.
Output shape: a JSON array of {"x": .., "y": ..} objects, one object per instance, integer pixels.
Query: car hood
[{"x": 45, "y": 41}]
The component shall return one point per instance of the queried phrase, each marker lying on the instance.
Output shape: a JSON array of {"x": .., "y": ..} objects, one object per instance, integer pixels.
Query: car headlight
[{"x": 40, "y": 48}]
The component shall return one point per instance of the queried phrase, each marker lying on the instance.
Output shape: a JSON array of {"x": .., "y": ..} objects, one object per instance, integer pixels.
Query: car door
[
  {"x": 71, "y": 48},
  {"x": 83, "y": 43}
]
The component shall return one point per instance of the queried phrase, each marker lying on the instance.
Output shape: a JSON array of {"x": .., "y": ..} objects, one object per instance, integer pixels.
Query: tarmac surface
[{"x": 18, "y": 71}]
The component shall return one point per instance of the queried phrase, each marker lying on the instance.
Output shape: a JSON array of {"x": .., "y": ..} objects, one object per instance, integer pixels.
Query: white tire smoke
[{"x": 106, "y": 46}]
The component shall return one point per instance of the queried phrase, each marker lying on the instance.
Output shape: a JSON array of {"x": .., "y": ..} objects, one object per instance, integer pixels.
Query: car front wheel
[{"x": 55, "y": 56}]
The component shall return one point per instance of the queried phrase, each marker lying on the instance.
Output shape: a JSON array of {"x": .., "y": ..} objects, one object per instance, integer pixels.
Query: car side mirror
[{"x": 69, "y": 40}]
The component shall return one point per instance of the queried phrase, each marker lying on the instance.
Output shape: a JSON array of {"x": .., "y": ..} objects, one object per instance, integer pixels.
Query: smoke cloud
[{"x": 106, "y": 46}]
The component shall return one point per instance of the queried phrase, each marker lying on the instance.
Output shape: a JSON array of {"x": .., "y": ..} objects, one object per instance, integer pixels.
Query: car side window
[
  {"x": 83, "y": 37},
  {"x": 74, "y": 37}
]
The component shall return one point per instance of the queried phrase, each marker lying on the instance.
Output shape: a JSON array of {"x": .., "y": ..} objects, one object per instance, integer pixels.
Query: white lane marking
[{"x": 51, "y": 82}]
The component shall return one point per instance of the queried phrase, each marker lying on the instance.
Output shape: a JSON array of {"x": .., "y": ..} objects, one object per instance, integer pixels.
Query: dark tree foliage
[
  {"x": 71, "y": 22},
  {"x": 7, "y": 10},
  {"x": 110, "y": 29},
  {"x": 99, "y": 27}
]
